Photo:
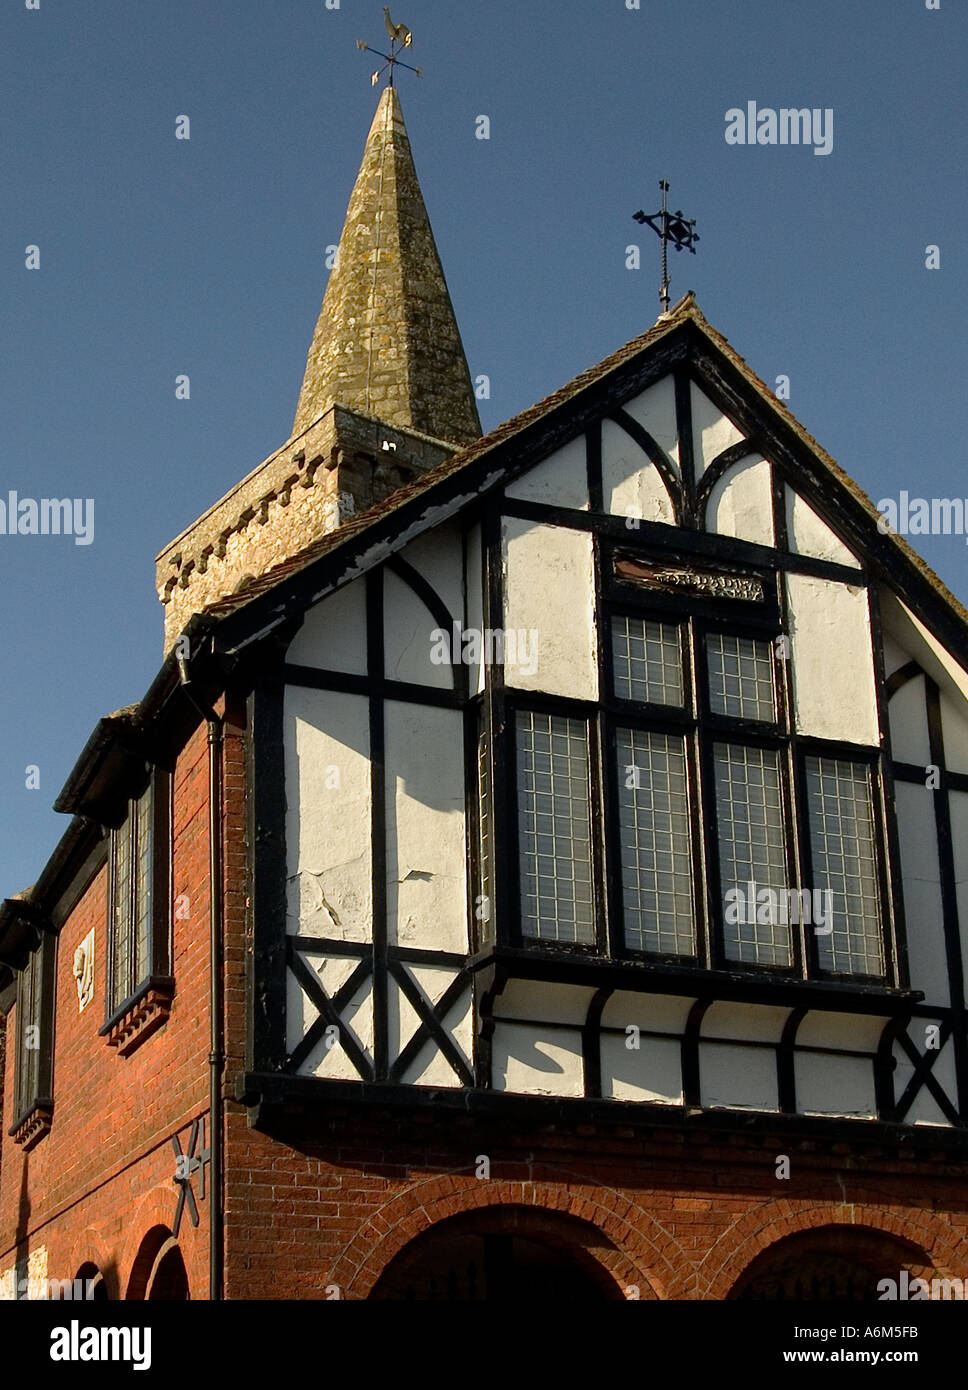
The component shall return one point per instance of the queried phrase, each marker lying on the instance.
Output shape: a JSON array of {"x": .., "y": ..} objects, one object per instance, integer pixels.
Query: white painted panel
[
  {"x": 728, "y": 1020},
  {"x": 411, "y": 636},
  {"x": 430, "y": 1067},
  {"x": 327, "y": 769},
  {"x": 894, "y": 654},
  {"x": 741, "y": 503},
  {"x": 834, "y": 1085},
  {"x": 561, "y": 480},
  {"x": 808, "y": 534},
  {"x": 909, "y": 724},
  {"x": 656, "y": 1013},
  {"x": 958, "y": 802},
  {"x": 921, "y": 885},
  {"x": 852, "y": 1032},
  {"x": 954, "y": 723},
  {"x": 923, "y": 647},
  {"x": 426, "y": 876},
  {"x": 655, "y": 411},
  {"x": 712, "y": 432},
  {"x": 474, "y": 605},
  {"x": 739, "y": 1077},
  {"x": 333, "y": 634},
  {"x": 538, "y": 999},
  {"x": 925, "y": 1109},
  {"x": 550, "y": 607},
  {"x": 632, "y": 486},
  {"x": 530, "y": 1062},
  {"x": 833, "y": 667},
  {"x": 332, "y": 1062},
  {"x": 653, "y": 1072},
  {"x": 438, "y": 557}
]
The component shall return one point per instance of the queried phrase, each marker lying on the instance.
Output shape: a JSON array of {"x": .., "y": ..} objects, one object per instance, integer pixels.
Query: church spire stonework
[
  {"x": 387, "y": 342},
  {"x": 387, "y": 394}
]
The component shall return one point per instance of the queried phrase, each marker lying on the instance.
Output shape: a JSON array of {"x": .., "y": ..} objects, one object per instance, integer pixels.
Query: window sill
[
  {"x": 643, "y": 977},
  {"x": 34, "y": 1125},
  {"x": 142, "y": 1015}
]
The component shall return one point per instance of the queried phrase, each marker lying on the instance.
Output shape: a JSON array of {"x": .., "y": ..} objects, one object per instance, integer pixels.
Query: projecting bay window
[
  {"x": 683, "y": 821},
  {"x": 138, "y": 899}
]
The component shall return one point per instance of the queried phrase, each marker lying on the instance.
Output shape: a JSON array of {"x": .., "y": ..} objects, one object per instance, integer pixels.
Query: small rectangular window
[
  {"x": 655, "y": 843},
  {"x": 741, "y": 682},
  {"x": 752, "y": 855},
  {"x": 554, "y": 828},
  {"x": 845, "y": 865},
  {"x": 648, "y": 661}
]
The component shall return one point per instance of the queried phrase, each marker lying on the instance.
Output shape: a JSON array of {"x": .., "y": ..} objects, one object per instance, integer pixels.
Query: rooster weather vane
[
  {"x": 669, "y": 226},
  {"x": 400, "y": 38}
]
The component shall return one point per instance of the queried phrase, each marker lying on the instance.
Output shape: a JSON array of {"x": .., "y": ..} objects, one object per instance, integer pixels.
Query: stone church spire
[{"x": 386, "y": 342}]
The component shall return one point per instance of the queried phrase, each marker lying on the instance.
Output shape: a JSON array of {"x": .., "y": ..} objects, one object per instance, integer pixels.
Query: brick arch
[
  {"x": 767, "y": 1225},
  {"x": 155, "y": 1208},
  {"x": 89, "y": 1249},
  {"x": 637, "y": 1258}
]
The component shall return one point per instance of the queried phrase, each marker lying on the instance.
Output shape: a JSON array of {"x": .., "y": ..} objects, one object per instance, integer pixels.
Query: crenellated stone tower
[{"x": 386, "y": 395}]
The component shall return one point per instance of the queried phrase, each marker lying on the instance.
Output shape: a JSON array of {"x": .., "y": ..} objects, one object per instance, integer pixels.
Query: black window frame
[
  {"x": 700, "y": 728},
  {"x": 158, "y": 782}
]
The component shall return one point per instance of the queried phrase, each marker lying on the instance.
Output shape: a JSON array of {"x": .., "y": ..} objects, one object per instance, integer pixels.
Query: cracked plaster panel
[
  {"x": 426, "y": 855},
  {"x": 438, "y": 557},
  {"x": 741, "y": 502},
  {"x": 833, "y": 666},
  {"x": 529, "y": 1062},
  {"x": 560, "y": 481},
  {"x": 328, "y": 814},
  {"x": 409, "y": 640},
  {"x": 809, "y": 535},
  {"x": 652, "y": 1071},
  {"x": 712, "y": 432},
  {"x": 333, "y": 634},
  {"x": 550, "y": 597},
  {"x": 631, "y": 484},
  {"x": 655, "y": 411},
  {"x": 742, "y": 1078}
]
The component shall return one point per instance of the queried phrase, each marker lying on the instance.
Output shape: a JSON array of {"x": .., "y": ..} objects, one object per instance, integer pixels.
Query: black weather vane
[
  {"x": 400, "y": 38},
  {"x": 670, "y": 227}
]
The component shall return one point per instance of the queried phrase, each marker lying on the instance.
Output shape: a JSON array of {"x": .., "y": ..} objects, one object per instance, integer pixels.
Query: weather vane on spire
[
  {"x": 400, "y": 38},
  {"x": 669, "y": 226}
]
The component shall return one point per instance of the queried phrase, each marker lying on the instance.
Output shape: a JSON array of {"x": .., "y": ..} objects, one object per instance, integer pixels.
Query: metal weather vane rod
[
  {"x": 400, "y": 38},
  {"x": 670, "y": 227}
]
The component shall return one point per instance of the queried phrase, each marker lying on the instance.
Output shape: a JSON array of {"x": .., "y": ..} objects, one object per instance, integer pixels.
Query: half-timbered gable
[{"x": 606, "y": 769}]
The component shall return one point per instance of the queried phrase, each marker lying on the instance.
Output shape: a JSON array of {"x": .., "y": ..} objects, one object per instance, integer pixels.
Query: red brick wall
[
  {"x": 674, "y": 1217},
  {"x": 102, "y": 1177}
]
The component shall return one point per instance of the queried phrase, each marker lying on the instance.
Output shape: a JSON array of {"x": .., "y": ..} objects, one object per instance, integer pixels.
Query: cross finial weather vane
[
  {"x": 400, "y": 38},
  {"x": 670, "y": 227}
]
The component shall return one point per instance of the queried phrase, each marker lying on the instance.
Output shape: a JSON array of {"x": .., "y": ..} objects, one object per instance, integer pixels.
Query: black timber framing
[
  {"x": 283, "y": 1102},
  {"x": 266, "y": 797}
]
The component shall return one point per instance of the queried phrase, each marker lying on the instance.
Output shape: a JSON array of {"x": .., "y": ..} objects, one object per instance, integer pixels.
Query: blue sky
[{"x": 161, "y": 256}]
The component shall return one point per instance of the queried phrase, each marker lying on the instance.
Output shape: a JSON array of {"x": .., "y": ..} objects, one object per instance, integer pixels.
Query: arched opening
[
  {"x": 91, "y": 1284},
  {"x": 158, "y": 1273},
  {"x": 830, "y": 1264},
  {"x": 169, "y": 1279},
  {"x": 501, "y": 1255}
]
